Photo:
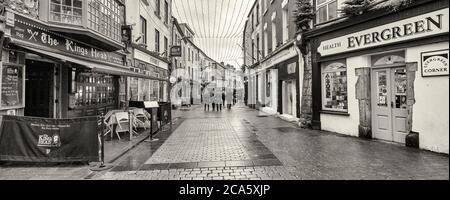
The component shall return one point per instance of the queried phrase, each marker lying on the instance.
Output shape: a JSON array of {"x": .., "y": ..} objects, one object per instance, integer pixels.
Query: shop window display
[
  {"x": 334, "y": 87},
  {"x": 155, "y": 89},
  {"x": 382, "y": 89},
  {"x": 92, "y": 90},
  {"x": 400, "y": 88}
]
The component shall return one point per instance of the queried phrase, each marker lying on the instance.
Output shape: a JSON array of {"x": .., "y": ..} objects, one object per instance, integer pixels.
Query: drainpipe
[{"x": 301, "y": 71}]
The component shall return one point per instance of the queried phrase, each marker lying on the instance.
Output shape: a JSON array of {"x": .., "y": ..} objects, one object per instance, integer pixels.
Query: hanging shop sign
[
  {"x": 425, "y": 25},
  {"x": 435, "y": 63},
  {"x": 291, "y": 68},
  {"x": 31, "y": 31},
  {"x": 12, "y": 86},
  {"x": 30, "y": 139},
  {"x": 175, "y": 51}
]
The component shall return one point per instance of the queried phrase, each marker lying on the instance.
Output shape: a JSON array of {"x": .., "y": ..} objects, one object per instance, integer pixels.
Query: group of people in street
[{"x": 218, "y": 100}]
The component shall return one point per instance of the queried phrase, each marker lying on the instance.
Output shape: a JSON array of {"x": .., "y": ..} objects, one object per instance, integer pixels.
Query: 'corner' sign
[
  {"x": 435, "y": 63},
  {"x": 425, "y": 25}
]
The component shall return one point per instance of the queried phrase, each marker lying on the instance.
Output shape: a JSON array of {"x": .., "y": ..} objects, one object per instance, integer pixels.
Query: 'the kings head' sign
[{"x": 34, "y": 32}]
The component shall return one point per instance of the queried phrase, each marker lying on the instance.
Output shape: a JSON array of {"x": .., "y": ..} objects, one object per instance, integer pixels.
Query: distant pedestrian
[
  {"x": 217, "y": 101},
  {"x": 229, "y": 98},
  {"x": 211, "y": 99},
  {"x": 223, "y": 98},
  {"x": 234, "y": 96},
  {"x": 206, "y": 102}
]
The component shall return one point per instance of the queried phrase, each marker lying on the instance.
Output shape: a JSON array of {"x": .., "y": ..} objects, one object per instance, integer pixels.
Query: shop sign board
[
  {"x": 291, "y": 68},
  {"x": 12, "y": 88},
  {"x": 175, "y": 51},
  {"x": 429, "y": 24},
  {"x": 435, "y": 63},
  {"x": 31, "y": 31},
  {"x": 279, "y": 57},
  {"x": 150, "y": 59}
]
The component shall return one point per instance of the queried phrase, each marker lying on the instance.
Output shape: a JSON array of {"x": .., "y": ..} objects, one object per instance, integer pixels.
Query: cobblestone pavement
[
  {"x": 198, "y": 140},
  {"x": 33, "y": 172},
  {"x": 242, "y": 144}
]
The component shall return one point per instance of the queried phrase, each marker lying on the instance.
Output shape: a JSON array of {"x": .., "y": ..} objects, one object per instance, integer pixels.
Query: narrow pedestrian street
[{"x": 240, "y": 144}]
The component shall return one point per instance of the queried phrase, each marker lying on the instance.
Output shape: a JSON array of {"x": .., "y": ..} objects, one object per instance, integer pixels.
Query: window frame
[
  {"x": 61, "y": 5},
  {"x": 166, "y": 45},
  {"x": 93, "y": 90},
  {"x": 325, "y": 71},
  {"x": 105, "y": 18},
  {"x": 166, "y": 12},
  {"x": 257, "y": 48},
  {"x": 143, "y": 22},
  {"x": 158, "y": 8},
  {"x": 257, "y": 14},
  {"x": 157, "y": 41},
  {"x": 327, "y": 9},
  {"x": 274, "y": 36},
  {"x": 285, "y": 24}
]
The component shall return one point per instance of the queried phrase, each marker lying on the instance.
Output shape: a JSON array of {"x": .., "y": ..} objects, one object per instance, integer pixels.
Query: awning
[{"x": 96, "y": 67}]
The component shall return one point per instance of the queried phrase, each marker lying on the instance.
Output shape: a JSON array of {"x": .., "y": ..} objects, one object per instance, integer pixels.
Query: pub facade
[
  {"x": 383, "y": 74},
  {"x": 62, "y": 59}
]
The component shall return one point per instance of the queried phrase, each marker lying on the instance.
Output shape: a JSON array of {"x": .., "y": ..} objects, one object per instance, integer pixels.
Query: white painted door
[
  {"x": 381, "y": 98},
  {"x": 399, "y": 105},
  {"x": 288, "y": 98},
  {"x": 389, "y": 104}
]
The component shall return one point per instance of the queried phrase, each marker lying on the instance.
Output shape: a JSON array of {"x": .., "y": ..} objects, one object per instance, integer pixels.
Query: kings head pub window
[
  {"x": 90, "y": 89},
  {"x": 334, "y": 87}
]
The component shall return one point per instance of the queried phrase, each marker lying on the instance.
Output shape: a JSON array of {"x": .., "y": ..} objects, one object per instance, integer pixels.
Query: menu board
[{"x": 12, "y": 80}]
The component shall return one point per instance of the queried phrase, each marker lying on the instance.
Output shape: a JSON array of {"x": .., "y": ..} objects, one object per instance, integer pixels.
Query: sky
[{"x": 218, "y": 26}]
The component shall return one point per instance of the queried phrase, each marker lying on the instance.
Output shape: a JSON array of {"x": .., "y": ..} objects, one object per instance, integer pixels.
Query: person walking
[
  {"x": 219, "y": 102},
  {"x": 207, "y": 101},
  {"x": 229, "y": 99},
  {"x": 212, "y": 99},
  {"x": 223, "y": 100}
]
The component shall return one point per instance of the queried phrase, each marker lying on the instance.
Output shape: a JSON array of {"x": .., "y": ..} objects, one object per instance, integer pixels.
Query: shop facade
[
  {"x": 279, "y": 83},
  {"x": 50, "y": 74},
  {"x": 384, "y": 75},
  {"x": 155, "y": 86}
]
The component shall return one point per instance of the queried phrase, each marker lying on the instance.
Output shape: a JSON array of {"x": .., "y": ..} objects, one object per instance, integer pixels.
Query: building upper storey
[
  {"x": 270, "y": 27},
  {"x": 151, "y": 24},
  {"x": 96, "y": 22}
]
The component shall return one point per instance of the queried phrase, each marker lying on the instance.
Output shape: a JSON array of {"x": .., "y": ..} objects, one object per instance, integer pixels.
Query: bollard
[
  {"x": 151, "y": 139},
  {"x": 102, "y": 141},
  {"x": 130, "y": 120},
  {"x": 101, "y": 146}
]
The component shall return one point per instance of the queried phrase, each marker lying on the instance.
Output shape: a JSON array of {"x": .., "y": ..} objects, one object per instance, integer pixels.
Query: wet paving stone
[
  {"x": 207, "y": 144},
  {"x": 150, "y": 167}
]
